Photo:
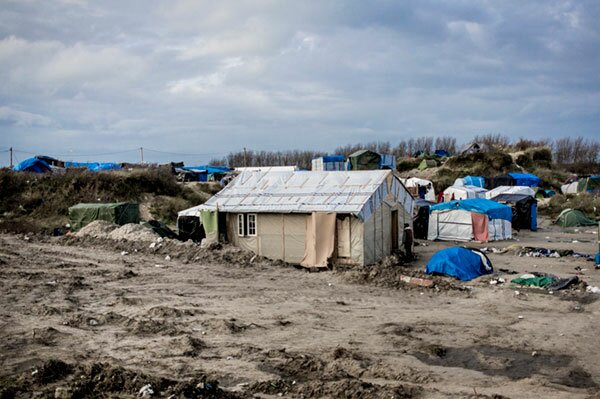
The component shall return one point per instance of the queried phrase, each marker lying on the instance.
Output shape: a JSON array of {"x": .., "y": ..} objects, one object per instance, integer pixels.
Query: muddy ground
[{"x": 80, "y": 318}]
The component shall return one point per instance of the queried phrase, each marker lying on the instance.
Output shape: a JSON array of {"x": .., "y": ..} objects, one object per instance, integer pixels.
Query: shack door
[
  {"x": 394, "y": 234},
  {"x": 343, "y": 237}
]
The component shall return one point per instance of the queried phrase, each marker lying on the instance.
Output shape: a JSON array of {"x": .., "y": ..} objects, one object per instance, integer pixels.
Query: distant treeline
[{"x": 565, "y": 151}]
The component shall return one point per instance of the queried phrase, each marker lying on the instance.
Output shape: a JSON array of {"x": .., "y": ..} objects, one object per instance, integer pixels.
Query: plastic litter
[{"x": 146, "y": 391}]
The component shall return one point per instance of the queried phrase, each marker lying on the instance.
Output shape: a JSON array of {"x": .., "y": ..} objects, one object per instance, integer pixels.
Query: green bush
[
  {"x": 542, "y": 157},
  {"x": 524, "y": 160},
  {"x": 585, "y": 202}
]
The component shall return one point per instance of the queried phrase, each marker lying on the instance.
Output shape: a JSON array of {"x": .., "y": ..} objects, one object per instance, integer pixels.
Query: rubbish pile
[
  {"x": 545, "y": 281},
  {"x": 537, "y": 252}
]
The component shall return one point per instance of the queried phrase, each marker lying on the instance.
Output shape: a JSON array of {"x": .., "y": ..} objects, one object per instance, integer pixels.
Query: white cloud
[{"x": 23, "y": 118}]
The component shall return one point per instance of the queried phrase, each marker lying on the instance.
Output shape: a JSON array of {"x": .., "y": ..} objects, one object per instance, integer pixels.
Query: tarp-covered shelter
[
  {"x": 329, "y": 162},
  {"x": 525, "y": 179},
  {"x": 462, "y": 263},
  {"x": 474, "y": 148},
  {"x": 442, "y": 153},
  {"x": 427, "y": 163},
  {"x": 573, "y": 218},
  {"x": 118, "y": 213},
  {"x": 313, "y": 218},
  {"x": 208, "y": 172},
  {"x": 524, "y": 190},
  {"x": 189, "y": 224},
  {"x": 569, "y": 188},
  {"x": 471, "y": 219},
  {"x": 33, "y": 165},
  {"x": 388, "y": 161},
  {"x": 364, "y": 160},
  {"x": 94, "y": 166},
  {"x": 463, "y": 192},
  {"x": 476, "y": 181},
  {"x": 524, "y": 210},
  {"x": 420, "y": 188},
  {"x": 421, "y": 218},
  {"x": 497, "y": 181}
]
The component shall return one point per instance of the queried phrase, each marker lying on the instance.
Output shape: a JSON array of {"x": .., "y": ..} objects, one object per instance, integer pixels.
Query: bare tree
[
  {"x": 496, "y": 141},
  {"x": 568, "y": 150},
  {"x": 447, "y": 143}
]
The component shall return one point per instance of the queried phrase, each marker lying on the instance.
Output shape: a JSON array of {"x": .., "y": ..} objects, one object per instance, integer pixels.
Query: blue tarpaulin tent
[
  {"x": 525, "y": 179},
  {"x": 477, "y": 181},
  {"x": 32, "y": 165},
  {"x": 94, "y": 166},
  {"x": 493, "y": 209},
  {"x": 462, "y": 263},
  {"x": 204, "y": 171},
  {"x": 442, "y": 153}
]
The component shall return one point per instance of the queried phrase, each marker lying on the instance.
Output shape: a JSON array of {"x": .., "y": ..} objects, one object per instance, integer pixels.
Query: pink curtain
[{"x": 480, "y": 227}]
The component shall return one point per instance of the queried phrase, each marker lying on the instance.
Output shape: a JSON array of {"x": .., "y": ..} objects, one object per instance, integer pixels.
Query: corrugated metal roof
[{"x": 299, "y": 192}]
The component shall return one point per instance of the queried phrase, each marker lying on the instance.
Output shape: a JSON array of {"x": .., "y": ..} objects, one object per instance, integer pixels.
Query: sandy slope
[{"x": 242, "y": 323}]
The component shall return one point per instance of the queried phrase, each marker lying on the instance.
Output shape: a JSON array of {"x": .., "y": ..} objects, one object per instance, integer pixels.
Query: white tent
[
  {"x": 416, "y": 182},
  {"x": 570, "y": 188},
  {"x": 509, "y": 190},
  {"x": 463, "y": 192},
  {"x": 468, "y": 220}
]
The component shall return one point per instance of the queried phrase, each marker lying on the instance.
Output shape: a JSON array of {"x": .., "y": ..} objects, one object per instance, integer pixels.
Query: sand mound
[
  {"x": 97, "y": 229},
  {"x": 133, "y": 232}
]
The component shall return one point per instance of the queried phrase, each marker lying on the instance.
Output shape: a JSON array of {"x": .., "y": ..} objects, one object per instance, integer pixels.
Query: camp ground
[{"x": 312, "y": 218}]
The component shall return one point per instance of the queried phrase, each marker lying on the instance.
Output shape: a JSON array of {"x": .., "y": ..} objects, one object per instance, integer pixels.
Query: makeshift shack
[
  {"x": 474, "y": 148},
  {"x": 189, "y": 224},
  {"x": 364, "y": 160},
  {"x": 33, "y": 165},
  {"x": 463, "y": 192},
  {"x": 420, "y": 188},
  {"x": 388, "y": 161},
  {"x": 312, "y": 218},
  {"x": 471, "y": 219},
  {"x": 524, "y": 190},
  {"x": 421, "y": 218},
  {"x": 208, "y": 172},
  {"x": 525, "y": 179},
  {"x": 118, "y": 213},
  {"x": 573, "y": 218},
  {"x": 462, "y": 263},
  {"x": 475, "y": 181},
  {"x": 329, "y": 162},
  {"x": 524, "y": 210}
]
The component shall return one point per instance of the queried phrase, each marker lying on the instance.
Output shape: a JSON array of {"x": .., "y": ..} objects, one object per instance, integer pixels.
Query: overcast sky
[{"x": 209, "y": 77}]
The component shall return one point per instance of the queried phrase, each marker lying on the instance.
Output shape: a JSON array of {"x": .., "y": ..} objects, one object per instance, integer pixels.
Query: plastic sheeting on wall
[
  {"x": 320, "y": 238},
  {"x": 211, "y": 225}
]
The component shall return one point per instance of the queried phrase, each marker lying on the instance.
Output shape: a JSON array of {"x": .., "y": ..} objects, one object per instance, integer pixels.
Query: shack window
[
  {"x": 252, "y": 224},
  {"x": 241, "y": 229}
]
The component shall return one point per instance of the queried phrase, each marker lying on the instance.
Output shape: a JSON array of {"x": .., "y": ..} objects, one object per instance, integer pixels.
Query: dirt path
[{"x": 268, "y": 329}]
